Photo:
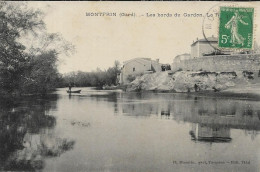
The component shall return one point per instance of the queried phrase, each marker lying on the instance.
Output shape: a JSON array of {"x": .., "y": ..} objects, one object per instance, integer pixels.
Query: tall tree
[
  {"x": 15, "y": 21},
  {"x": 22, "y": 67}
]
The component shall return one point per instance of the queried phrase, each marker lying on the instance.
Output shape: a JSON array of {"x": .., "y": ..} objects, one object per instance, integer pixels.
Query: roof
[
  {"x": 139, "y": 60},
  {"x": 209, "y": 39},
  {"x": 185, "y": 54},
  {"x": 182, "y": 57}
]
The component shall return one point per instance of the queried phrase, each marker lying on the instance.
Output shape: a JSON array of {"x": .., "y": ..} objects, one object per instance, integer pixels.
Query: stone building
[
  {"x": 178, "y": 59},
  {"x": 204, "y": 57},
  {"x": 138, "y": 66},
  {"x": 201, "y": 47},
  {"x": 181, "y": 57}
]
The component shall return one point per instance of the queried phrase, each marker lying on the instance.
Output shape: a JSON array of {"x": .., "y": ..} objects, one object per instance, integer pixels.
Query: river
[{"x": 118, "y": 131}]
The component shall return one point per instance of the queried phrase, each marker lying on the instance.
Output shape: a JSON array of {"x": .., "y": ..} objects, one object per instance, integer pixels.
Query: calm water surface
[{"x": 118, "y": 131}]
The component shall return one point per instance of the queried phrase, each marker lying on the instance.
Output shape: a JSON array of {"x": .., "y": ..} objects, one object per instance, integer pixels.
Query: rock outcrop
[{"x": 185, "y": 81}]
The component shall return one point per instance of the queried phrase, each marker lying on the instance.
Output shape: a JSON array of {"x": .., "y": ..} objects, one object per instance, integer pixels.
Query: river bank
[{"x": 224, "y": 84}]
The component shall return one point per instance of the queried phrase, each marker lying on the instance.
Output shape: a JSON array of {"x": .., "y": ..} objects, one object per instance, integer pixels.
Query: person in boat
[{"x": 70, "y": 86}]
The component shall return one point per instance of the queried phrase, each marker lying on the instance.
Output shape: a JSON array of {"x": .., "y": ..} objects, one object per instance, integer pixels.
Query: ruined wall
[{"x": 226, "y": 63}]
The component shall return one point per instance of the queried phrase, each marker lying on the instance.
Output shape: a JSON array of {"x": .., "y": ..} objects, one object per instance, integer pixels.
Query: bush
[
  {"x": 248, "y": 74},
  {"x": 131, "y": 78}
]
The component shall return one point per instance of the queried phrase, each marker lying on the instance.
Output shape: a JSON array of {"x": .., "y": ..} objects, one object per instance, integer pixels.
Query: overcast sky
[{"x": 99, "y": 41}]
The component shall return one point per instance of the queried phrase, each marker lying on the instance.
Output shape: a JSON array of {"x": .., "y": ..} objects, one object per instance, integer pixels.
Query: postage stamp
[{"x": 236, "y": 28}]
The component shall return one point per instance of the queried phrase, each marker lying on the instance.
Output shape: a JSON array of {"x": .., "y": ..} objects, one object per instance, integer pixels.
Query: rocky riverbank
[{"x": 186, "y": 81}]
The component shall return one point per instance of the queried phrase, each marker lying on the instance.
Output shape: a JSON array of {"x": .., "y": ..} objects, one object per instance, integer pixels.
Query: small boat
[{"x": 76, "y": 91}]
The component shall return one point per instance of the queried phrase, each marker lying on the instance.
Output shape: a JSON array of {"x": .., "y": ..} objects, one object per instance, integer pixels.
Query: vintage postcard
[{"x": 129, "y": 86}]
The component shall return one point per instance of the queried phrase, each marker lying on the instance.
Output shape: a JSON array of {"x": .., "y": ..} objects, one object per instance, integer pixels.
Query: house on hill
[
  {"x": 138, "y": 66},
  {"x": 201, "y": 47}
]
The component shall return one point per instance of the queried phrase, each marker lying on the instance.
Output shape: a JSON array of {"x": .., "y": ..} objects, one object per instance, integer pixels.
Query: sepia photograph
[{"x": 129, "y": 86}]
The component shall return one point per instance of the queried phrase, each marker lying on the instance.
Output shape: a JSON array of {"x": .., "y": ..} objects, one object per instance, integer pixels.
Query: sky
[{"x": 100, "y": 40}]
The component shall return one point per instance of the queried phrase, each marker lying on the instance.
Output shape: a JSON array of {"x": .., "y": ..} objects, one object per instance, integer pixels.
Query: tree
[
  {"x": 30, "y": 68},
  {"x": 96, "y": 78},
  {"x": 14, "y": 21},
  {"x": 41, "y": 74}
]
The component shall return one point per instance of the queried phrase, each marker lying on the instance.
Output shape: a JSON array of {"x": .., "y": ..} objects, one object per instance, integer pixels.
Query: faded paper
[{"x": 129, "y": 131}]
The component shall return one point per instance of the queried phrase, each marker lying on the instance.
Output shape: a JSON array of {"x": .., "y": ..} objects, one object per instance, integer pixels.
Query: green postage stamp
[{"x": 236, "y": 28}]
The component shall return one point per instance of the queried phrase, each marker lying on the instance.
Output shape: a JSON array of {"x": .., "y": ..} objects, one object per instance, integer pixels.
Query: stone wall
[{"x": 223, "y": 63}]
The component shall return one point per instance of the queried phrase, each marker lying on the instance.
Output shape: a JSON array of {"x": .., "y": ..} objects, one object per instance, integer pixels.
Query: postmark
[{"x": 235, "y": 27}]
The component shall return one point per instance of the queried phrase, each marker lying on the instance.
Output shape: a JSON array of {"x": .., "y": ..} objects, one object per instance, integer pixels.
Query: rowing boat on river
[{"x": 76, "y": 91}]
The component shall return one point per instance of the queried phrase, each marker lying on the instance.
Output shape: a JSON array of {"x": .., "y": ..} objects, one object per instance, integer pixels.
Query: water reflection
[
  {"x": 117, "y": 131},
  {"x": 211, "y": 118},
  {"x": 26, "y": 133},
  {"x": 210, "y": 133}
]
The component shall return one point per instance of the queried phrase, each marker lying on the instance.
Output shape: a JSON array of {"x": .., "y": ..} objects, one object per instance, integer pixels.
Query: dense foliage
[
  {"x": 27, "y": 68},
  {"x": 41, "y": 74},
  {"x": 96, "y": 78}
]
